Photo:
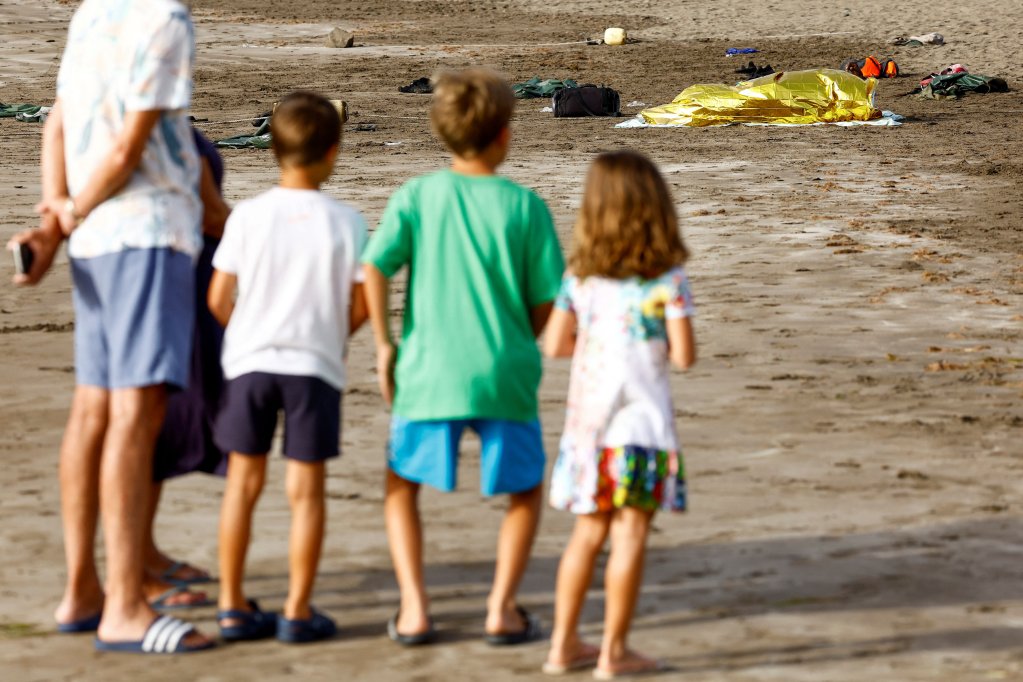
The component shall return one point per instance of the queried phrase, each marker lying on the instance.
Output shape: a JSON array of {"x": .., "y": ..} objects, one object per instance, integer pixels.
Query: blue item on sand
[
  {"x": 732, "y": 51},
  {"x": 316, "y": 627},
  {"x": 165, "y": 635}
]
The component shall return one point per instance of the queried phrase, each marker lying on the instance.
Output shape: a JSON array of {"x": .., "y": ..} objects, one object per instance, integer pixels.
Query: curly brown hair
[{"x": 627, "y": 225}]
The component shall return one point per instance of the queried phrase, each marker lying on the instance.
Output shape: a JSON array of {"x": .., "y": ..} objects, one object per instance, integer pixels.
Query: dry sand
[{"x": 852, "y": 430}]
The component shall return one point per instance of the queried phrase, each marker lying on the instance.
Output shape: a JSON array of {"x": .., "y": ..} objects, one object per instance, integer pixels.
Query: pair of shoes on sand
[{"x": 255, "y": 623}]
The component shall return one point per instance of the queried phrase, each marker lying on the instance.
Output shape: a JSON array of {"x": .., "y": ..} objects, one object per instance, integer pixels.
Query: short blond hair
[{"x": 470, "y": 108}]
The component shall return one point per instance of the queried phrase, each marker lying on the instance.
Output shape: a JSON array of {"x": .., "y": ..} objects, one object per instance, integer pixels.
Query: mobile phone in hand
[{"x": 23, "y": 259}]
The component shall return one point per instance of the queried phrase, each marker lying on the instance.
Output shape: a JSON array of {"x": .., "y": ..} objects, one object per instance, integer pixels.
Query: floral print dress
[{"x": 619, "y": 447}]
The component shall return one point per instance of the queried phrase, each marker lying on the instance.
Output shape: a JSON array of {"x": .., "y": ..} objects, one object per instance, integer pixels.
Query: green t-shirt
[{"x": 481, "y": 251}]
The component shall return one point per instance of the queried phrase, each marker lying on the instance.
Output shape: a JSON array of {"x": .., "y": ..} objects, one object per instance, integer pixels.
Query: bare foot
[
  {"x": 631, "y": 663},
  {"x": 506, "y": 621},
  {"x": 132, "y": 627},
  {"x": 574, "y": 656},
  {"x": 413, "y": 621},
  {"x": 77, "y": 607}
]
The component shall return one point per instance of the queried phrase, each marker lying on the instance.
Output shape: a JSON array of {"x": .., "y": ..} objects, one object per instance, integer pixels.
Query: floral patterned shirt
[
  {"x": 618, "y": 391},
  {"x": 121, "y": 56}
]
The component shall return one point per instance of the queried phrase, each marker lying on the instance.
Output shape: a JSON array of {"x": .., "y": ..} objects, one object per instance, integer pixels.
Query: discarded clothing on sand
[
  {"x": 789, "y": 97},
  {"x": 955, "y": 82},
  {"x": 751, "y": 70},
  {"x": 37, "y": 117},
  {"x": 12, "y": 110},
  {"x": 420, "y": 86},
  {"x": 245, "y": 141},
  {"x": 733, "y": 51},
  {"x": 535, "y": 87},
  {"x": 257, "y": 140},
  {"x": 955, "y": 68},
  {"x": 871, "y": 67},
  {"x": 920, "y": 40},
  {"x": 261, "y": 138}
]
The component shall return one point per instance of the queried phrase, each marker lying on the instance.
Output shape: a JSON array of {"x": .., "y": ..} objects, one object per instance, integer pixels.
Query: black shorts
[{"x": 248, "y": 416}]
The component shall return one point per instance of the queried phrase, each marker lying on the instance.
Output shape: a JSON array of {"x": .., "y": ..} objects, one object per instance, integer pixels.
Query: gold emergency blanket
[{"x": 792, "y": 97}]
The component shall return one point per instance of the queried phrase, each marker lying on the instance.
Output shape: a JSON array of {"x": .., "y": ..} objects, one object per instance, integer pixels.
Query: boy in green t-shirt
[{"x": 484, "y": 267}]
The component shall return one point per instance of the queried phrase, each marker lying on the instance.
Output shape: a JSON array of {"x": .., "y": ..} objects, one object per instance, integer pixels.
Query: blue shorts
[
  {"x": 511, "y": 460},
  {"x": 134, "y": 314}
]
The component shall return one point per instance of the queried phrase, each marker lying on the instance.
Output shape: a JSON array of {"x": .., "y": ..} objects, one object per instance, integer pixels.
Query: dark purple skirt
[{"x": 186, "y": 442}]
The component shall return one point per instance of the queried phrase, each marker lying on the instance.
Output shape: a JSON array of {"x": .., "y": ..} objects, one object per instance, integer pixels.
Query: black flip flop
[
  {"x": 418, "y": 639},
  {"x": 530, "y": 633}
]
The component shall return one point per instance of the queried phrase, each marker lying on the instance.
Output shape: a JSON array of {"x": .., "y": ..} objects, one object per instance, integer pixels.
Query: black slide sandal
[
  {"x": 530, "y": 633},
  {"x": 418, "y": 639}
]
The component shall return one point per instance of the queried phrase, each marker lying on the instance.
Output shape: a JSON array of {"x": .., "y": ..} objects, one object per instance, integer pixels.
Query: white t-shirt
[
  {"x": 121, "y": 56},
  {"x": 296, "y": 256}
]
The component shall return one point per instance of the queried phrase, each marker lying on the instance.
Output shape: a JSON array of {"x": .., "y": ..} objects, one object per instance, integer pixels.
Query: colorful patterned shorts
[{"x": 630, "y": 476}]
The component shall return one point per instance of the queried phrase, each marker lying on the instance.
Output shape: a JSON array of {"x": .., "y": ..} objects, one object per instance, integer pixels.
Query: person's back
[
  {"x": 123, "y": 56},
  {"x": 292, "y": 255},
  {"x": 623, "y": 314},
  {"x": 484, "y": 267},
  {"x": 469, "y": 348},
  {"x": 120, "y": 177},
  {"x": 295, "y": 253}
]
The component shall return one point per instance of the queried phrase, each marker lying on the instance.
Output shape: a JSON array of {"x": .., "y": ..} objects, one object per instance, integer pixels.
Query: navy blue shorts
[{"x": 248, "y": 416}]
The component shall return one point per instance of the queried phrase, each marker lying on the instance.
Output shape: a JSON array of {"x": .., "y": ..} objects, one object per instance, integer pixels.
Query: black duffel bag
[{"x": 586, "y": 100}]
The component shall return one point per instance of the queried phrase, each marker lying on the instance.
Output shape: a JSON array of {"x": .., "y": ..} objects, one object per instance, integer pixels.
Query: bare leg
[
  {"x": 156, "y": 562},
  {"x": 405, "y": 536},
  {"x": 622, "y": 580},
  {"x": 153, "y": 586},
  {"x": 150, "y": 552},
  {"x": 80, "y": 453},
  {"x": 305, "y": 486},
  {"x": 245, "y": 477},
  {"x": 575, "y": 573},
  {"x": 514, "y": 547},
  {"x": 136, "y": 415}
]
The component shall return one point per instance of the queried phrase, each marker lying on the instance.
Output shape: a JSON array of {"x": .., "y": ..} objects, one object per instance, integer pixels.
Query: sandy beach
[{"x": 853, "y": 429}]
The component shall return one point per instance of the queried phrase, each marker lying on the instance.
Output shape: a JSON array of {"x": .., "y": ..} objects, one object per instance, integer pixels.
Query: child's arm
[
  {"x": 681, "y": 343},
  {"x": 358, "y": 313},
  {"x": 220, "y": 296},
  {"x": 559, "y": 339},
  {"x": 376, "y": 292}
]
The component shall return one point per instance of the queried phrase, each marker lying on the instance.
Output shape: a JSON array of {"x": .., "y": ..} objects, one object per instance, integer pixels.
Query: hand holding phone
[{"x": 23, "y": 257}]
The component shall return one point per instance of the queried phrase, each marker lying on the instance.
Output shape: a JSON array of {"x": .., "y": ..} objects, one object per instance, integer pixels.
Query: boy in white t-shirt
[{"x": 292, "y": 254}]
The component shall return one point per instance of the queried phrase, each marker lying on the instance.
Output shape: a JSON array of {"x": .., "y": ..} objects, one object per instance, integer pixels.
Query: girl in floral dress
[{"x": 623, "y": 315}]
